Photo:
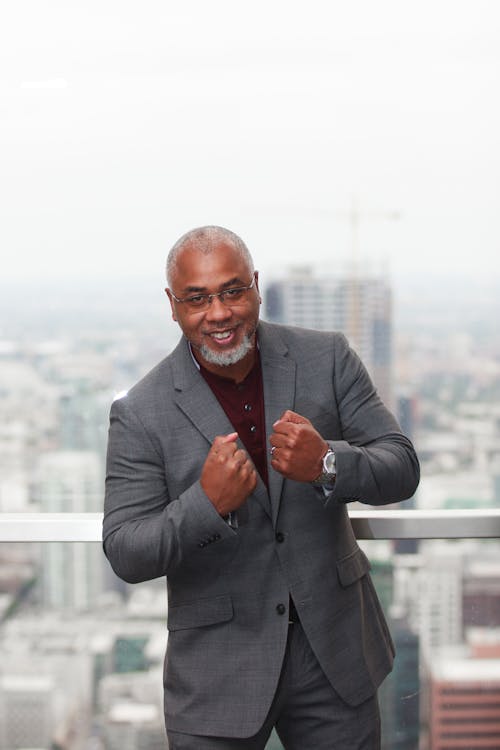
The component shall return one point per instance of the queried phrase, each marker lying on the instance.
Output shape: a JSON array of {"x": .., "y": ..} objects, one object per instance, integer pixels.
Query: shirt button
[
  {"x": 280, "y": 609},
  {"x": 280, "y": 537},
  {"x": 248, "y": 407},
  {"x": 253, "y": 428}
]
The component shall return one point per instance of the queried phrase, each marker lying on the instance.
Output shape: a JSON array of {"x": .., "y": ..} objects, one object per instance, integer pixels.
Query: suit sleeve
[
  {"x": 376, "y": 463},
  {"x": 146, "y": 533}
]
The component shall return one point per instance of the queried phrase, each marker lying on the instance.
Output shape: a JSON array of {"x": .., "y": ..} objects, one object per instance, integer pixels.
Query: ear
[
  {"x": 256, "y": 274},
  {"x": 171, "y": 300}
]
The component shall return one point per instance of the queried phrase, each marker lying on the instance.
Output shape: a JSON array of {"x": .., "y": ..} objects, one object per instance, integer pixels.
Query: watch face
[{"x": 329, "y": 463}]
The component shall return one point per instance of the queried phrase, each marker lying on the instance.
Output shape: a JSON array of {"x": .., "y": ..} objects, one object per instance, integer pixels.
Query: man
[{"x": 229, "y": 469}]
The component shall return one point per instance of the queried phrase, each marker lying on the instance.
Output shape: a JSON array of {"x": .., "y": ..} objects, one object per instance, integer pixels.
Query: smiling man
[
  {"x": 229, "y": 469},
  {"x": 220, "y": 327}
]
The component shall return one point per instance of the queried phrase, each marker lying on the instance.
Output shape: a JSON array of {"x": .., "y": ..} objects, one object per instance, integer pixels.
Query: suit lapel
[
  {"x": 278, "y": 373},
  {"x": 196, "y": 399}
]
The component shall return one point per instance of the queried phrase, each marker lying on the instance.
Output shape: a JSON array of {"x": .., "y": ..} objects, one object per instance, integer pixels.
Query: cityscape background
[
  {"x": 62, "y": 610},
  {"x": 355, "y": 147}
]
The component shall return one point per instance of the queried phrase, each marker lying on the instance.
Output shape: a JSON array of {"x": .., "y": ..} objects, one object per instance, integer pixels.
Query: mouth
[{"x": 222, "y": 338}]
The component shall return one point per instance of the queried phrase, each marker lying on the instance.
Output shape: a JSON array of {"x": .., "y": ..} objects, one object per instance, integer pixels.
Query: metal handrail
[{"x": 367, "y": 524}]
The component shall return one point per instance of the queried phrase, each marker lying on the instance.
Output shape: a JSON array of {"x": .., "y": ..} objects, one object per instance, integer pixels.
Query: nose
[{"x": 217, "y": 310}]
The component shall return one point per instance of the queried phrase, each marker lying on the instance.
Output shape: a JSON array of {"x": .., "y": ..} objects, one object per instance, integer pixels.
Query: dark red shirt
[{"x": 243, "y": 404}]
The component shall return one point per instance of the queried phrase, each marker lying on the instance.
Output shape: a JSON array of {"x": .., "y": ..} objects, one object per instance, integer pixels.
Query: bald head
[{"x": 205, "y": 240}]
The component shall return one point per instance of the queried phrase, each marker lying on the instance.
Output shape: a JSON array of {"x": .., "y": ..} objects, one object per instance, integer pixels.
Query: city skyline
[{"x": 57, "y": 382}]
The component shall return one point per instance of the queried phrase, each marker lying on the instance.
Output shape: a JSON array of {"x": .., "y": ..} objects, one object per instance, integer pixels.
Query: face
[{"x": 221, "y": 336}]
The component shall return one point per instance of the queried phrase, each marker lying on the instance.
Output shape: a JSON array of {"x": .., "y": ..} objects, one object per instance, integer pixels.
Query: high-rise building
[
  {"x": 481, "y": 594},
  {"x": 464, "y": 695},
  {"x": 360, "y": 307},
  {"x": 433, "y": 597}
]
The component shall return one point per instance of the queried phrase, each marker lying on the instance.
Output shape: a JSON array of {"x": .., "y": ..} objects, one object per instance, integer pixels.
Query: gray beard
[{"x": 224, "y": 359}]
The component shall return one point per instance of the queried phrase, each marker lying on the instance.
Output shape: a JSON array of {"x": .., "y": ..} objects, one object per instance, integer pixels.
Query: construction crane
[{"x": 355, "y": 216}]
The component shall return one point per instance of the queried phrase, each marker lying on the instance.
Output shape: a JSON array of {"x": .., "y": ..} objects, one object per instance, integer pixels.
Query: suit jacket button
[
  {"x": 280, "y": 537},
  {"x": 280, "y": 609}
]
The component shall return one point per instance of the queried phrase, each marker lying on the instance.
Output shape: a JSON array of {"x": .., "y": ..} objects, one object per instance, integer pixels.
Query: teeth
[{"x": 222, "y": 335}]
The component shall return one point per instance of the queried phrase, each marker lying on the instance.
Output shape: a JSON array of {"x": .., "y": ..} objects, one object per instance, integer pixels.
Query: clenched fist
[
  {"x": 297, "y": 448},
  {"x": 228, "y": 476}
]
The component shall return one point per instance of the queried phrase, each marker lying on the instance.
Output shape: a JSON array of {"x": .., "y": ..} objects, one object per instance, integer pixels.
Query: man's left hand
[{"x": 297, "y": 449}]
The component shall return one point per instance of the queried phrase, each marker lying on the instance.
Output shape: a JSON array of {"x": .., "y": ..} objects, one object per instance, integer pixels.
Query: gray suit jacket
[{"x": 227, "y": 633}]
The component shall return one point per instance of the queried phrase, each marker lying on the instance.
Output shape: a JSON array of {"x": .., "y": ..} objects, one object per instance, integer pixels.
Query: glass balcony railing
[
  {"x": 367, "y": 524},
  {"x": 81, "y": 652}
]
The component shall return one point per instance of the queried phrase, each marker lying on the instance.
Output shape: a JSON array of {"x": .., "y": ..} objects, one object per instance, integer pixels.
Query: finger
[
  {"x": 276, "y": 451},
  {"x": 240, "y": 458},
  {"x": 292, "y": 416},
  {"x": 282, "y": 427},
  {"x": 281, "y": 456},
  {"x": 280, "y": 468},
  {"x": 278, "y": 440},
  {"x": 250, "y": 476},
  {"x": 248, "y": 473}
]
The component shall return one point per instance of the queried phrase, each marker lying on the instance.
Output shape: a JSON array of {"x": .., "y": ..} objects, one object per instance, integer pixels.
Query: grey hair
[{"x": 204, "y": 240}]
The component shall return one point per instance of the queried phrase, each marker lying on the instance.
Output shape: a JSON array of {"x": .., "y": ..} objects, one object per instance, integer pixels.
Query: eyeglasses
[{"x": 229, "y": 297}]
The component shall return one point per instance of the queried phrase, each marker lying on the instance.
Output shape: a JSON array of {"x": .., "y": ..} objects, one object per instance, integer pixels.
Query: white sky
[{"x": 123, "y": 124}]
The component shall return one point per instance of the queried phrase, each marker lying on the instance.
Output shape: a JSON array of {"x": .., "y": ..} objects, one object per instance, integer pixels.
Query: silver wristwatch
[{"x": 329, "y": 469}]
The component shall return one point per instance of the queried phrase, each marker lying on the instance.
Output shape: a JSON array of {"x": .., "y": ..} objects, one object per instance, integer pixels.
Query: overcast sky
[{"x": 123, "y": 124}]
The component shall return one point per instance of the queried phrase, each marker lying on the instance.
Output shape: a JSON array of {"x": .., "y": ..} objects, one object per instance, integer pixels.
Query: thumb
[{"x": 221, "y": 439}]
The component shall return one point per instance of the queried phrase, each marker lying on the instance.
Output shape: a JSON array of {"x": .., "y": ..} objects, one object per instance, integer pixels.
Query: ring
[{"x": 273, "y": 448}]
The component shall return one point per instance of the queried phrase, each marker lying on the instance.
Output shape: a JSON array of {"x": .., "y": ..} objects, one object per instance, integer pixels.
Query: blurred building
[
  {"x": 405, "y": 720},
  {"x": 464, "y": 694},
  {"x": 481, "y": 594},
  {"x": 399, "y": 696},
  {"x": 72, "y": 575},
  {"x": 360, "y": 307},
  {"x": 28, "y": 426},
  {"x": 131, "y": 707},
  {"x": 428, "y": 590},
  {"x": 26, "y": 711},
  {"x": 134, "y": 726}
]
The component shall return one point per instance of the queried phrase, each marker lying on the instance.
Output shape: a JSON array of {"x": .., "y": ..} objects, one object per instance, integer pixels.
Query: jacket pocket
[
  {"x": 352, "y": 567},
  {"x": 200, "y": 613}
]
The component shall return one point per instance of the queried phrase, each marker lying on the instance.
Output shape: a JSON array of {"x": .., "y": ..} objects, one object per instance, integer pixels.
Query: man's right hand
[{"x": 228, "y": 476}]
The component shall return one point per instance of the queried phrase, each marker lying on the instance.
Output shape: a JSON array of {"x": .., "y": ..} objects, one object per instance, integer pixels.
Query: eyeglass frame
[{"x": 210, "y": 297}]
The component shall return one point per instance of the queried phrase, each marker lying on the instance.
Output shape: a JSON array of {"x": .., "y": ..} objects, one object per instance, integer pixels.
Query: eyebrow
[{"x": 235, "y": 281}]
